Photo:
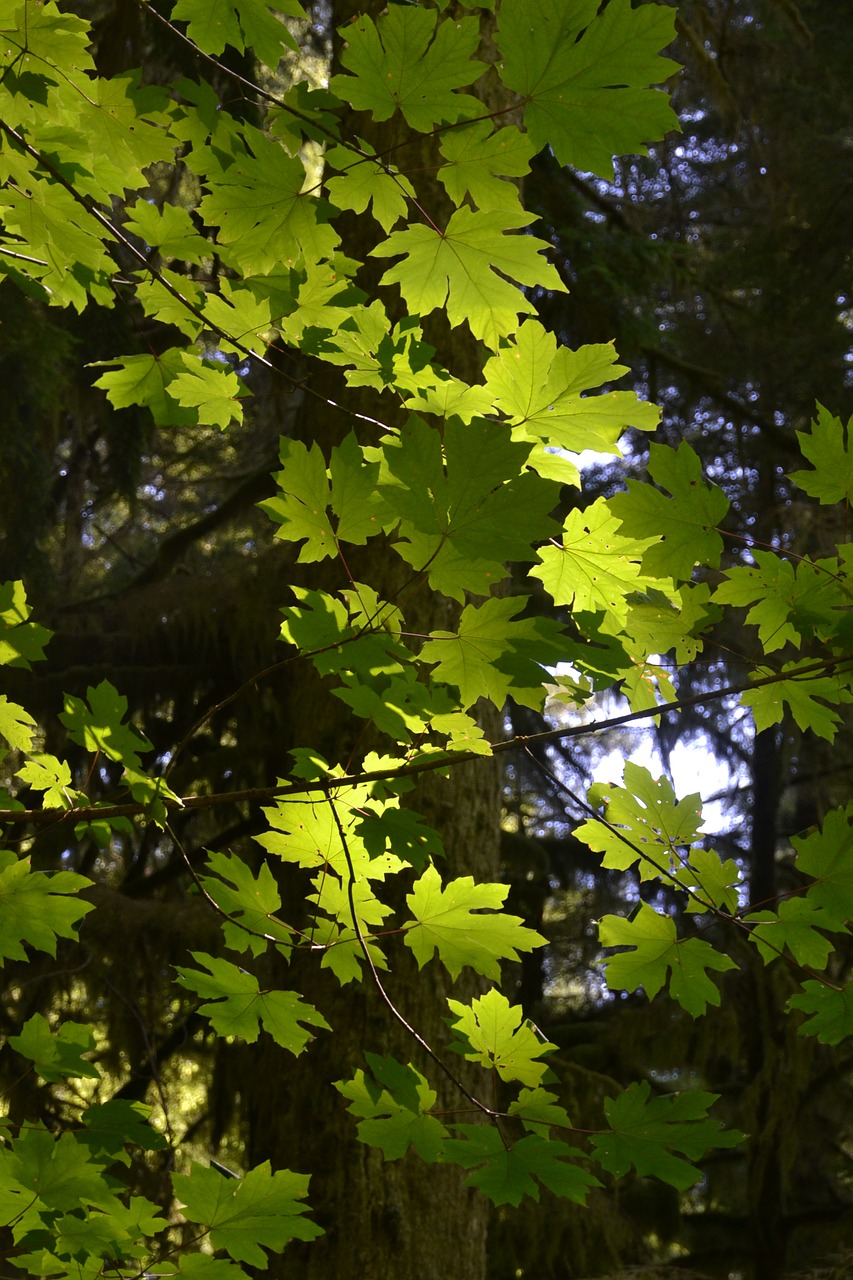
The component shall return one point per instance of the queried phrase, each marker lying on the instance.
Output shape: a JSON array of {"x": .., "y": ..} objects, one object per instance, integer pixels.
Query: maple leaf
[
  {"x": 446, "y": 921},
  {"x": 212, "y": 24},
  {"x": 300, "y": 507},
  {"x": 100, "y": 727},
  {"x": 644, "y": 822},
  {"x": 539, "y": 386},
  {"x": 539, "y": 1111},
  {"x": 653, "y": 1135},
  {"x": 168, "y": 228},
  {"x": 118, "y": 132},
  {"x": 713, "y": 881},
  {"x": 21, "y": 641},
  {"x": 478, "y": 161},
  {"x": 145, "y": 380},
  {"x": 492, "y": 655},
  {"x": 112, "y": 1126},
  {"x": 827, "y": 856},
  {"x": 506, "y": 1173},
  {"x": 36, "y": 908},
  {"x": 459, "y": 518},
  {"x": 586, "y": 91},
  {"x": 595, "y": 569},
  {"x": 58, "y": 1171},
  {"x": 456, "y": 269},
  {"x": 57, "y": 1055},
  {"x": 831, "y": 1011},
  {"x": 239, "y": 1007},
  {"x": 825, "y": 447},
  {"x": 405, "y": 62},
  {"x": 787, "y": 601},
  {"x": 264, "y": 215},
  {"x": 683, "y": 527},
  {"x": 363, "y": 182},
  {"x": 243, "y": 1214},
  {"x": 238, "y": 311},
  {"x": 54, "y": 231},
  {"x": 16, "y": 724},
  {"x": 495, "y": 1033},
  {"x": 305, "y": 495},
  {"x": 250, "y": 900},
  {"x": 394, "y": 1108},
  {"x": 211, "y": 388},
  {"x": 795, "y": 927},
  {"x": 654, "y": 949},
  {"x": 807, "y": 697}
]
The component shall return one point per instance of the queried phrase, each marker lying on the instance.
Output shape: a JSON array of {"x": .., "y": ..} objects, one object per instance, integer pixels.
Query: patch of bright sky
[{"x": 693, "y": 768}]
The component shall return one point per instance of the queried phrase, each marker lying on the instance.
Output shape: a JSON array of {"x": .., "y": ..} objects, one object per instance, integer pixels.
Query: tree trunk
[{"x": 403, "y": 1218}]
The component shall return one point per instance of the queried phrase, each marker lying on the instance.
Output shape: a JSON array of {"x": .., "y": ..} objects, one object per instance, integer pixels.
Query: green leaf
[
  {"x": 653, "y": 1135},
  {"x": 145, "y": 380},
  {"x": 539, "y": 1111},
  {"x": 56, "y": 1055},
  {"x": 261, "y": 1209},
  {"x": 239, "y": 1007},
  {"x": 111, "y": 1126},
  {"x": 714, "y": 882},
  {"x": 57, "y": 1171},
  {"x": 70, "y": 259},
  {"x": 21, "y": 641},
  {"x": 168, "y": 228},
  {"x": 653, "y": 951},
  {"x": 305, "y": 496},
  {"x": 456, "y": 269},
  {"x": 787, "y": 602},
  {"x": 250, "y": 900},
  {"x": 492, "y": 656},
  {"x": 464, "y": 510},
  {"x": 495, "y": 1033},
  {"x": 237, "y": 310},
  {"x": 363, "y": 182},
  {"x": 36, "y": 908},
  {"x": 806, "y": 696},
  {"x": 16, "y": 724},
  {"x": 211, "y": 389},
  {"x": 301, "y": 504},
  {"x": 100, "y": 728},
  {"x": 643, "y": 822},
  {"x": 831, "y": 1011},
  {"x": 394, "y": 1107},
  {"x": 53, "y": 777},
  {"x": 111, "y": 134},
  {"x": 795, "y": 927},
  {"x": 540, "y": 387},
  {"x": 406, "y": 62},
  {"x": 400, "y": 830},
  {"x": 586, "y": 91},
  {"x": 212, "y": 24},
  {"x": 827, "y": 856},
  {"x": 595, "y": 568},
  {"x": 264, "y": 215},
  {"x": 683, "y": 527},
  {"x": 505, "y": 1173},
  {"x": 446, "y": 922},
  {"x": 478, "y": 159},
  {"x": 825, "y": 447}
]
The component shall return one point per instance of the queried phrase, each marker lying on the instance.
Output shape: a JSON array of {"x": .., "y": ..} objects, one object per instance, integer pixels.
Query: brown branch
[{"x": 428, "y": 764}]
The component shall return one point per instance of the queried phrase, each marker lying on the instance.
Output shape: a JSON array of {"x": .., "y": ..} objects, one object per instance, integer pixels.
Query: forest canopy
[{"x": 367, "y": 481}]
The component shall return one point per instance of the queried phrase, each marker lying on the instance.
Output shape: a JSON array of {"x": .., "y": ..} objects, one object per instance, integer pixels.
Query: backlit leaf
[{"x": 449, "y": 920}]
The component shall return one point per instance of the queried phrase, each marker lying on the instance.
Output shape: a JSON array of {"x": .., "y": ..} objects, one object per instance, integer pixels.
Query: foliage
[{"x": 460, "y": 479}]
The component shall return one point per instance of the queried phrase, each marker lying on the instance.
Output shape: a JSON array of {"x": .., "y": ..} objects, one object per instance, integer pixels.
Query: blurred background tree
[{"x": 718, "y": 265}]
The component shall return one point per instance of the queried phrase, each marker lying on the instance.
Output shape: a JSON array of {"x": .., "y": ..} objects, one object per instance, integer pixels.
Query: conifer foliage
[{"x": 457, "y": 479}]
